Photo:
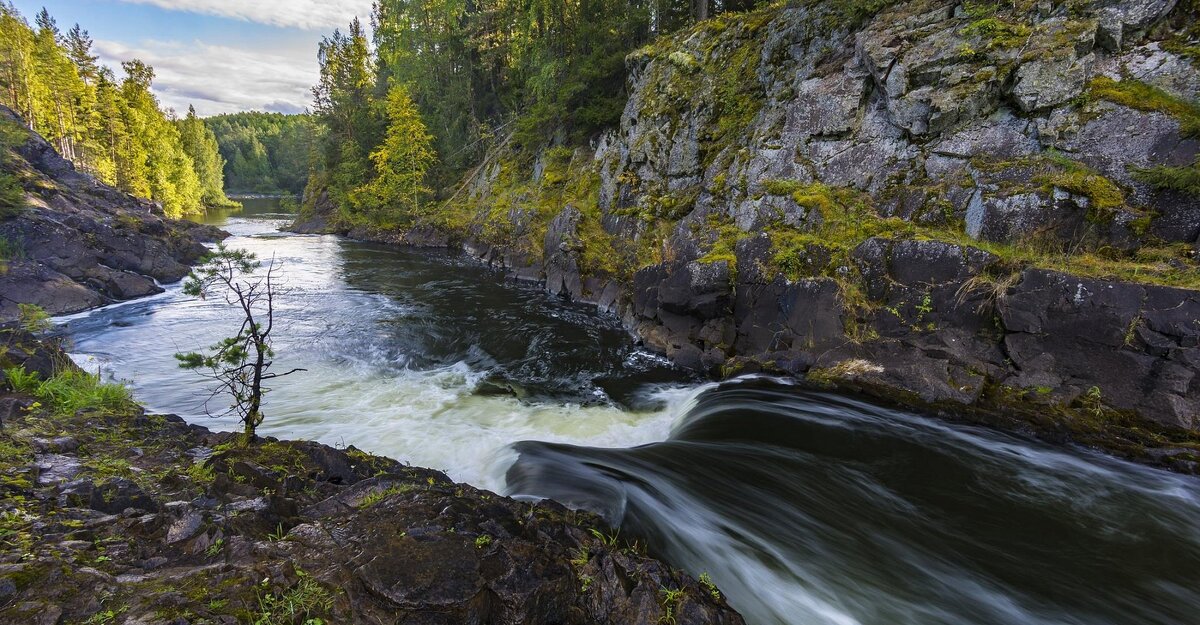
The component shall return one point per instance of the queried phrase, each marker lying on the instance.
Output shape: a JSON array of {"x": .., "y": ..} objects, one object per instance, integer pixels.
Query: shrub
[
  {"x": 12, "y": 196},
  {"x": 11, "y": 250},
  {"x": 33, "y": 318}
]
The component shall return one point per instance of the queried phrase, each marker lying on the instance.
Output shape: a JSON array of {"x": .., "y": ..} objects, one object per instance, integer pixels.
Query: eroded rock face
[
  {"x": 84, "y": 244},
  {"x": 940, "y": 117}
]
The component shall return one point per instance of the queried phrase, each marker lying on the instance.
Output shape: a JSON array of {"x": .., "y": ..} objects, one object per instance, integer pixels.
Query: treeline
[
  {"x": 478, "y": 73},
  {"x": 264, "y": 152},
  {"x": 112, "y": 129}
]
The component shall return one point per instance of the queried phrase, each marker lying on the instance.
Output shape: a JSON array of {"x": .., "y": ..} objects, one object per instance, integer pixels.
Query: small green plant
[
  {"x": 1093, "y": 401},
  {"x": 1185, "y": 180},
  {"x": 670, "y": 603},
  {"x": 307, "y": 602},
  {"x": 278, "y": 535},
  {"x": 608, "y": 540},
  {"x": 215, "y": 548},
  {"x": 585, "y": 582},
  {"x": 11, "y": 250},
  {"x": 709, "y": 586},
  {"x": 483, "y": 540},
  {"x": 582, "y": 556},
  {"x": 103, "y": 617},
  {"x": 33, "y": 318},
  {"x": 375, "y": 497},
  {"x": 72, "y": 390},
  {"x": 201, "y": 473},
  {"x": 925, "y": 307},
  {"x": 12, "y": 196}
]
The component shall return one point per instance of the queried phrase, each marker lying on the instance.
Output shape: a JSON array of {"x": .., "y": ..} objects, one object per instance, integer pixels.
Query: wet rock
[
  {"x": 57, "y": 444},
  {"x": 57, "y": 468},
  {"x": 1087, "y": 333},
  {"x": 11, "y": 407},
  {"x": 116, "y": 495},
  {"x": 185, "y": 527}
]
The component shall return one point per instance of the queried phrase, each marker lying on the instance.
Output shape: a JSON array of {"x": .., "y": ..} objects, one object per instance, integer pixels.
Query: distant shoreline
[{"x": 259, "y": 196}]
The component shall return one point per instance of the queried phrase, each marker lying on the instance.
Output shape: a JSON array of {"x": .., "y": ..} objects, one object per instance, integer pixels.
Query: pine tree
[
  {"x": 200, "y": 144},
  {"x": 401, "y": 161},
  {"x": 79, "y": 49}
]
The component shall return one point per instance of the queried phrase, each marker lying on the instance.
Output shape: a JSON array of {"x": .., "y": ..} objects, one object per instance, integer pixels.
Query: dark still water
[{"x": 804, "y": 508}]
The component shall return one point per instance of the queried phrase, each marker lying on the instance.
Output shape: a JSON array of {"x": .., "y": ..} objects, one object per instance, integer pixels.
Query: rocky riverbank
[
  {"x": 113, "y": 515},
  {"x": 972, "y": 210},
  {"x": 77, "y": 244}
]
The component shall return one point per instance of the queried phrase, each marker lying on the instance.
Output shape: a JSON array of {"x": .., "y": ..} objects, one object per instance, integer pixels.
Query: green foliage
[
  {"x": 115, "y": 131},
  {"x": 400, "y": 164},
  {"x": 71, "y": 391},
  {"x": 1106, "y": 197},
  {"x": 1143, "y": 97},
  {"x": 486, "y": 73},
  {"x": 1184, "y": 180},
  {"x": 264, "y": 152},
  {"x": 377, "y": 496},
  {"x": 671, "y": 597},
  {"x": 996, "y": 31},
  {"x": 12, "y": 195},
  {"x": 10, "y": 249},
  {"x": 307, "y": 602},
  {"x": 33, "y": 318},
  {"x": 709, "y": 587},
  {"x": 724, "y": 247},
  {"x": 482, "y": 541},
  {"x": 852, "y": 13},
  {"x": 200, "y": 144}
]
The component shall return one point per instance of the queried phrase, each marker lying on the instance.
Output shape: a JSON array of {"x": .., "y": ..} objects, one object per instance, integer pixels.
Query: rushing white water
[
  {"x": 806, "y": 509},
  {"x": 371, "y": 379}
]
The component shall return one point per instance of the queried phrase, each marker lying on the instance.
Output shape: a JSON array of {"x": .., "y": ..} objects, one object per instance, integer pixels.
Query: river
[{"x": 805, "y": 508}]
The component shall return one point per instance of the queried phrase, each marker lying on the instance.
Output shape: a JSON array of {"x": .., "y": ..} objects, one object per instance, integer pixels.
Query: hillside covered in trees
[
  {"x": 475, "y": 75},
  {"x": 264, "y": 152},
  {"x": 113, "y": 129}
]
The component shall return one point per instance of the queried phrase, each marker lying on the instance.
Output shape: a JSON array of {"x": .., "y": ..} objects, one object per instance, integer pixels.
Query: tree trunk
[{"x": 253, "y": 417}]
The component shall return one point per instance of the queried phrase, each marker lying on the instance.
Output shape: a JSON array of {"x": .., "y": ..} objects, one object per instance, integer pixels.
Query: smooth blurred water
[{"x": 804, "y": 508}]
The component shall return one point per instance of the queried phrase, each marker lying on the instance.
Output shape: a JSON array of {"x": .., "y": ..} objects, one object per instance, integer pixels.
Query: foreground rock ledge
[{"x": 127, "y": 517}]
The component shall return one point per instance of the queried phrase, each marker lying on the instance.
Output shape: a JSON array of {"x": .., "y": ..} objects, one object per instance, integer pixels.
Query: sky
[{"x": 221, "y": 56}]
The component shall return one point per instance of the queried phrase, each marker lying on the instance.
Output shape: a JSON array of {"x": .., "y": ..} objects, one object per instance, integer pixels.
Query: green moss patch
[{"x": 1138, "y": 95}]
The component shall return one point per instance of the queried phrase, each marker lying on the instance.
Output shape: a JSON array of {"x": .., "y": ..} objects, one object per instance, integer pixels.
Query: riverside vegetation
[{"x": 982, "y": 209}]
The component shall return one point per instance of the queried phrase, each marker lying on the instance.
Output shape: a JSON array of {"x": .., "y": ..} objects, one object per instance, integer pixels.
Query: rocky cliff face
[
  {"x": 78, "y": 243},
  {"x": 1023, "y": 127},
  {"x": 117, "y": 516},
  {"x": 966, "y": 207}
]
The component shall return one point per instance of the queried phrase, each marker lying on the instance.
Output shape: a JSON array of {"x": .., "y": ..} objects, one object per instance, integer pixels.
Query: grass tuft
[{"x": 71, "y": 391}]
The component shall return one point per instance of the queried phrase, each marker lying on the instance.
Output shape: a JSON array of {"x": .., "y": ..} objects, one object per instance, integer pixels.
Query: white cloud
[
  {"x": 306, "y": 14},
  {"x": 219, "y": 79}
]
